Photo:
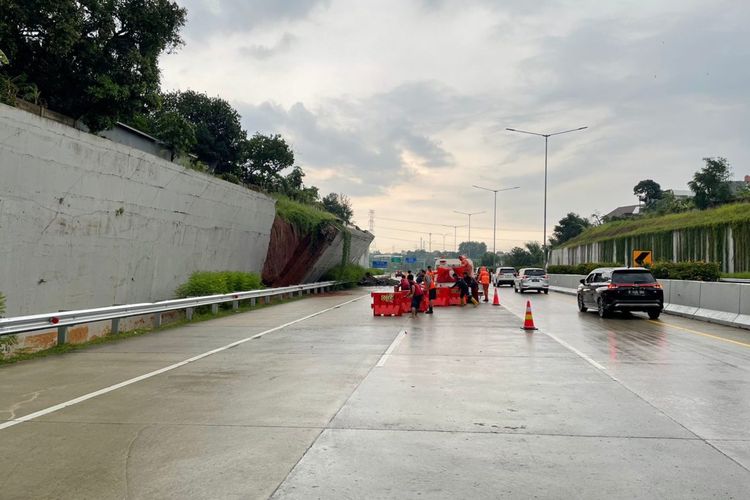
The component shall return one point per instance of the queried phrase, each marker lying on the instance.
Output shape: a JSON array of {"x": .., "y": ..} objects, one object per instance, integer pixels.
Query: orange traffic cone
[
  {"x": 528, "y": 322},
  {"x": 496, "y": 299}
]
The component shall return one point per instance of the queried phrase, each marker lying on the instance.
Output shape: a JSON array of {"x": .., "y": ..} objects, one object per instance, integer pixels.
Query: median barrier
[
  {"x": 743, "y": 318},
  {"x": 719, "y": 302},
  {"x": 684, "y": 298}
]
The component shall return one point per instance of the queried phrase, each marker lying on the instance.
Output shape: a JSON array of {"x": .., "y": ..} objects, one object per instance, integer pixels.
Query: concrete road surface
[{"x": 341, "y": 404}]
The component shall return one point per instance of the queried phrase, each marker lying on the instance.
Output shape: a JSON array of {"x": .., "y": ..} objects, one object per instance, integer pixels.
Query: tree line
[{"x": 97, "y": 61}]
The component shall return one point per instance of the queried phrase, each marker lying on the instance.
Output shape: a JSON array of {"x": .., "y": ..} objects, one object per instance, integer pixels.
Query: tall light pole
[
  {"x": 469, "y": 214},
  {"x": 455, "y": 247},
  {"x": 494, "y": 218},
  {"x": 546, "y": 141}
]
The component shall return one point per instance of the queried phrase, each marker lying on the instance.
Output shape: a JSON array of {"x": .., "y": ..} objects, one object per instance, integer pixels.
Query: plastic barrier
[
  {"x": 387, "y": 303},
  {"x": 447, "y": 296},
  {"x": 406, "y": 303}
]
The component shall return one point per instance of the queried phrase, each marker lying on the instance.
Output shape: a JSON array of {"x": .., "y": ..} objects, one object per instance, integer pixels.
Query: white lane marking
[
  {"x": 91, "y": 395},
  {"x": 586, "y": 358},
  {"x": 391, "y": 347}
]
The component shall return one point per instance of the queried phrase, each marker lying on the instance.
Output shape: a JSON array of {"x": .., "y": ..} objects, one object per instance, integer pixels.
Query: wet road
[{"x": 344, "y": 405}]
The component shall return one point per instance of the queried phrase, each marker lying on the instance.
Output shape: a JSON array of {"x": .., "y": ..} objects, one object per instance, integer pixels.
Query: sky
[{"x": 403, "y": 105}]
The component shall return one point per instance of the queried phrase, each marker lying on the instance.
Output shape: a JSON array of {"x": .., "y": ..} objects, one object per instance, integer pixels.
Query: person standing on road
[
  {"x": 484, "y": 280},
  {"x": 474, "y": 287},
  {"x": 417, "y": 294},
  {"x": 429, "y": 284}
]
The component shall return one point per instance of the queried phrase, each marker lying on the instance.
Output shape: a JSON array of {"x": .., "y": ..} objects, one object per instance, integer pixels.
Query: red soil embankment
[{"x": 291, "y": 254}]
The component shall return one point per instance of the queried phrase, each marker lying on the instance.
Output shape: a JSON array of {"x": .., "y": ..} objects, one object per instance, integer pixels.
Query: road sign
[
  {"x": 411, "y": 260},
  {"x": 642, "y": 258},
  {"x": 396, "y": 259},
  {"x": 380, "y": 264}
]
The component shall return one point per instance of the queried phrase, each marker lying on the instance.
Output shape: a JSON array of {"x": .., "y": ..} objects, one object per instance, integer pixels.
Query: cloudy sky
[{"x": 403, "y": 104}]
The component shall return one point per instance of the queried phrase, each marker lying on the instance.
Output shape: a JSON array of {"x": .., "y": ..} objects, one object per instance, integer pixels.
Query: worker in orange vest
[
  {"x": 429, "y": 282},
  {"x": 484, "y": 280}
]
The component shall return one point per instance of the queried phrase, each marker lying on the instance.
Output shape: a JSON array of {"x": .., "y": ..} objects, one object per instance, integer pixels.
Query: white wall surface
[{"x": 85, "y": 222}]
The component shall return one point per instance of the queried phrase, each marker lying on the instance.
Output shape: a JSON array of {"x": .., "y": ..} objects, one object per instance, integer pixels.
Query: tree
[
  {"x": 176, "y": 131},
  {"x": 531, "y": 256},
  {"x": 711, "y": 184},
  {"x": 266, "y": 156},
  {"x": 472, "y": 248},
  {"x": 339, "y": 205},
  {"x": 95, "y": 60},
  {"x": 568, "y": 228},
  {"x": 648, "y": 192},
  {"x": 220, "y": 140}
]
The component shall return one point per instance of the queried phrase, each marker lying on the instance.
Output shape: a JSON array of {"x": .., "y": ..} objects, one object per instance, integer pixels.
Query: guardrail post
[
  {"x": 157, "y": 320},
  {"x": 214, "y": 308},
  {"x": 267, "y": 299},
  {"x": 235, "y": 305},
  {"x": 252, "y": 302},
  {"x": 189, "y": 313},
  {"x": 115, "y": 326},
  {"x": 62, "y": 335}
]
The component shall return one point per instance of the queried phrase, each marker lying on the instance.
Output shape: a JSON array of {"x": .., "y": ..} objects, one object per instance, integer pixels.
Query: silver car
[
  {"x": 531, "y": 278},
  {"x": 504, "y": 276}
]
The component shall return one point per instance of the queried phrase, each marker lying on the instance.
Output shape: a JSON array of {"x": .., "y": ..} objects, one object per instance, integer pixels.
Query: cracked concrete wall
[{"x": 86, "y": 222}]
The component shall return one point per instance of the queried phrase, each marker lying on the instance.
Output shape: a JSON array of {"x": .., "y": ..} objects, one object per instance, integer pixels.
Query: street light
[
  {"x": 494, "y": 217},
  {"x": 546, "y": 140},
  {"x": 455, "y": 244},
  {"x": 469, "y": 214}
]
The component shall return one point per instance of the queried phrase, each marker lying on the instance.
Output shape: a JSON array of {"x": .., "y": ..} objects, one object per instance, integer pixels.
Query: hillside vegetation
[{"x": 724, "y": 215}]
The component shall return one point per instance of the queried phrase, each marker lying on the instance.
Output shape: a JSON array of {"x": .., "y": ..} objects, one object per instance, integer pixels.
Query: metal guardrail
[
  {"x": 64, "y": 319},
  {"x": 734, "y": 280}
]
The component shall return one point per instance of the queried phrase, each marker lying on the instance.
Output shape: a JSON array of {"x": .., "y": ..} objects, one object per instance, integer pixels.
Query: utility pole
[
  {"x": 494, "y": 218},
  {"x": 469, "y": 214},
  {"x": 430, "y": 242},
  {"x": 546, "y": 141}
]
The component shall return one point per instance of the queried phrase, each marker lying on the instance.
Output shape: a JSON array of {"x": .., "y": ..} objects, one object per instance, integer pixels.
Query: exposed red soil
[{"x": 291, "y": 255}]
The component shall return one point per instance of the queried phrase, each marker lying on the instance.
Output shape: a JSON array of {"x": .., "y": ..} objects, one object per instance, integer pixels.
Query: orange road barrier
[
  {"x": 496, "y": 299},
  {"x": 387, "y": 303},
  {"x": 528, "y": 321}
]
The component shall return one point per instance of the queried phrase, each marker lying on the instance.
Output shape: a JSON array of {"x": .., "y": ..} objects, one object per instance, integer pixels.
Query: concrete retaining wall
[
  {"x": 86, "y": 222},
  {"x": 723, "y": 303}
]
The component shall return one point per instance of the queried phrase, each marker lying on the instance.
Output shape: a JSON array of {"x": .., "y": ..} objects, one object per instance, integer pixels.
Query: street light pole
[
  {"x": 494, "y": 217},
  {"x": 469, "y": 214},
  {"x": 546, "y": 141}
]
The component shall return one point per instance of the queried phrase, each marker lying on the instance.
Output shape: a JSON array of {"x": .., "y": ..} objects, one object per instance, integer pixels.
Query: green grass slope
[{"x": 724, "y": 215}]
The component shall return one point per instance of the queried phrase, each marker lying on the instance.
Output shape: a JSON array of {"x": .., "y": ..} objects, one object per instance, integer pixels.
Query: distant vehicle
[
  {"x": 621, "y": 289},
  {"x": 504, "y": 276},
  {"x": 531, "y": 278}
]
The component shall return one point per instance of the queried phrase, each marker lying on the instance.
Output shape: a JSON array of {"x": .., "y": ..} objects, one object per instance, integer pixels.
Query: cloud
[
  {"x": 219, "y": 17},
  {"x": 377, "y": 141},
  {"x": 264, "y": 52},
  {"x": 404, "y": 106}
]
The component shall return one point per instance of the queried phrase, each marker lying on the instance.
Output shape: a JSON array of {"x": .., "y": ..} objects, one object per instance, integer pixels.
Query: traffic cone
[
  {"x": 528, "y": 322},
  {"x": 496, "y": 299}
]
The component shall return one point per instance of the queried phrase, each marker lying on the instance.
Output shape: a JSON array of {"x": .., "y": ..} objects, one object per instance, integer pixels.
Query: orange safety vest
[
  {"x": 433, "y": 275},
  {"x": 484, "y": 277}
]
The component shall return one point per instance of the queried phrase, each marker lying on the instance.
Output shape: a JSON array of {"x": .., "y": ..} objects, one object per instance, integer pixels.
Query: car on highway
[
  {"x": 504, "y": 276},
  {"x": 531, "y": 278},
  {"x": 621, "y": 289}
]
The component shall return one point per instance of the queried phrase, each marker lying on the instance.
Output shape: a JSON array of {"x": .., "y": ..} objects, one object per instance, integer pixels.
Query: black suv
[{"x": 621, "y": 289}]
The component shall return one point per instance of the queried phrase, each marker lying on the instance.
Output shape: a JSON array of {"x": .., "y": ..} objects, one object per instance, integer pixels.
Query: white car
[
  {"x": 504, "y": 276},
  {"x": 531, "y": 278}
]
